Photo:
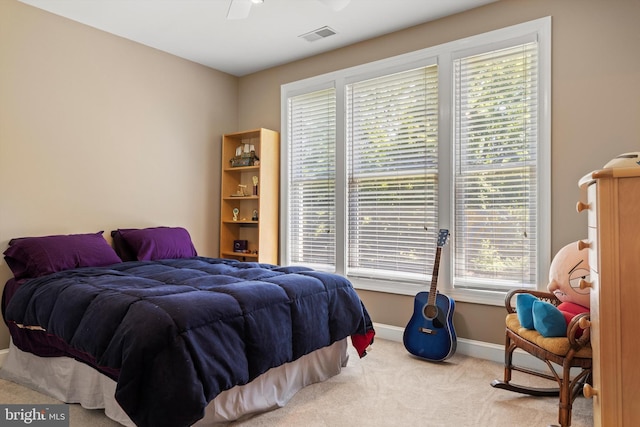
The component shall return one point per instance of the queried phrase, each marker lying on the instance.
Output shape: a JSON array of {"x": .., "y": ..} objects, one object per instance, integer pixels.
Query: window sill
[{"x": 494, "y": 298}]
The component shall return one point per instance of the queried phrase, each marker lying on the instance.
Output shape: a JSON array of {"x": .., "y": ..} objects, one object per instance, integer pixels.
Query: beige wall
[
  {"x": 595, "y": 109},
  {"x": 97, "y": 132}
]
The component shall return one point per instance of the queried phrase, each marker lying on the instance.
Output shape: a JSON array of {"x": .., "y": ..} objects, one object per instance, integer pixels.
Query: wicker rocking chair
[{"x": 565, "y": 352}]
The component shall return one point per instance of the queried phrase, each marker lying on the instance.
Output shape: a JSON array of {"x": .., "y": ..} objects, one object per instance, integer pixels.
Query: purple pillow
[
  {"x": 38, "y": 256},
  {"x": 158, "y": 243},
  {"x": 122, "y": 248}
]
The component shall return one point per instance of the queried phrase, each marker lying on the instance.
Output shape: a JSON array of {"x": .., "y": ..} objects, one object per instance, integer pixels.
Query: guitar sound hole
[{"x": 430, "y": 311}]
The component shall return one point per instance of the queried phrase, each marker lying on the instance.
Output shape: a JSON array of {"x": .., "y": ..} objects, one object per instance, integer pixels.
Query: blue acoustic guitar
[{"x": 430, "y": 334}]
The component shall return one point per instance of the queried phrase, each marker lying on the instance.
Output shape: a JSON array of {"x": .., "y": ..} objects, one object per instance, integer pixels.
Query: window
[
  {"x": 392, "y": 172},
  {"x": 495, "y": 142},
  {"x": 312, "y": 179},
  {"x": 379, "y": 157}
]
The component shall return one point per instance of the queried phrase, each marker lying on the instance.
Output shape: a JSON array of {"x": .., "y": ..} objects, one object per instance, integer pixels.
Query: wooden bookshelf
[{"x": 262, "y": 233}]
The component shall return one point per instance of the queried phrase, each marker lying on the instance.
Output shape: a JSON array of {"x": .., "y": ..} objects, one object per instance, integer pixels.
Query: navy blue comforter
[{"x": 175, "y": 333}]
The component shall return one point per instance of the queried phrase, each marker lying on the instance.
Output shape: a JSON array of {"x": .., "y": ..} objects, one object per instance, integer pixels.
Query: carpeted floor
[{"x": 387, "y": 388}]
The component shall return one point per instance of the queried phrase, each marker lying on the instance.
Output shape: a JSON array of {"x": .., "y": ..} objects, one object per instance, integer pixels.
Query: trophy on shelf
[
  {"x": 255, "y": 185},
  {"x": 241, "y": 191}
]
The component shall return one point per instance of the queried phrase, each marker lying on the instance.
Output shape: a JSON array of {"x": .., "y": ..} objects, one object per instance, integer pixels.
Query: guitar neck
[{"x": 434, "y": 277}]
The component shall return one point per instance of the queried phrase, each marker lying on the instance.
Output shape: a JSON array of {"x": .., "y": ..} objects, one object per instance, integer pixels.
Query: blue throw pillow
[
  {"x": 524, "y": 305},
  {"x": 548, "y": 320}
]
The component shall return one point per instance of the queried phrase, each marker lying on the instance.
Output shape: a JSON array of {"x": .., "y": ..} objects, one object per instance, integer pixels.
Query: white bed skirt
[{"x": 70, "y": 381}]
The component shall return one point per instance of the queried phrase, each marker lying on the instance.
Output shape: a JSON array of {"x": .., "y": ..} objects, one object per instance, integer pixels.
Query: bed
[{"x": 171, "y": 338}]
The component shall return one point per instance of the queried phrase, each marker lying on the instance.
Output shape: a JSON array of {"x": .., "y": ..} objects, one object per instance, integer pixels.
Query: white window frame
[{"x": 443, "y": 55}]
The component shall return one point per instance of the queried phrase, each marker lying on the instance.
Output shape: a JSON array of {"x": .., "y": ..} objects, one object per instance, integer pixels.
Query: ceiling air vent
[{"x": 318, "y": 34}]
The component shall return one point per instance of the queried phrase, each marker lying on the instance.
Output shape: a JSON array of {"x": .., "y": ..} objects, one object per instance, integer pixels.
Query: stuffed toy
[{"x": 568, "y": 267}]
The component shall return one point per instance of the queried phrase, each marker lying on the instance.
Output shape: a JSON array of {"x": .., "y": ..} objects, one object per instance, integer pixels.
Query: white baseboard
[{"x": 473, "y": 348}]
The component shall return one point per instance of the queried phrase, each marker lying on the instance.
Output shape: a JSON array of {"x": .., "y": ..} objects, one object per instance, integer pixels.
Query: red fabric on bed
[{"x": 361, "y": 342}]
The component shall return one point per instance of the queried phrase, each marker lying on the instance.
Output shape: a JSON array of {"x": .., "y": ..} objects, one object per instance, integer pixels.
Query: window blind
[
  {"x": 312, "y": 174},
  {"x": 392, "y": 173},
  {"x": 454, "y": 136},
  {"x": 495, "y": 143}
]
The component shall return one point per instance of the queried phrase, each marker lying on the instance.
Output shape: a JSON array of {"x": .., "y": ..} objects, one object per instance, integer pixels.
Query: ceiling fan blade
[
  {"x": 239, "y": 9},
  {"x": 335, "y": 5}
]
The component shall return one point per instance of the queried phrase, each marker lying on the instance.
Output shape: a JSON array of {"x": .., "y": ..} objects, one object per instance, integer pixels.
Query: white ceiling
[{"x": 198, "y": 30}]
